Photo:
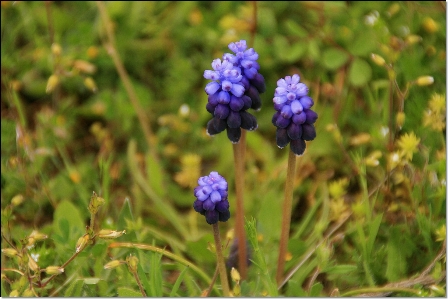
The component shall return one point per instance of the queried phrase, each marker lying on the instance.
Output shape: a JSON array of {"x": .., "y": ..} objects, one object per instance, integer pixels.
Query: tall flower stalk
[
  {"x": 236, "y": 86},
  {"x": 211, "y": 201},
  {"x": 294, "y": 120}
]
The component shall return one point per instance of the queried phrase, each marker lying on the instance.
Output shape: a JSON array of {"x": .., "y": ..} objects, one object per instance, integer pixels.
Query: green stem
[
  {"x": 286, "y": 218},
  {"x": 220, "y": 261},
  {"x": 380, "y": 290},
  {"x": 238, "y": 156}
]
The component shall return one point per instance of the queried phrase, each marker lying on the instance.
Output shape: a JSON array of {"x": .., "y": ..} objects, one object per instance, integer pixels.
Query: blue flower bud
[
  {"x": 211, "y": 194},
  {"x": 293, "y": 118}
]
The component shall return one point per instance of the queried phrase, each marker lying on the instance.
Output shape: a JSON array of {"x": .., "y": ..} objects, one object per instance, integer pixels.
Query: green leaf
[
  {"x": 340, "y": 269},
  {"x": 127, "y": 292},
  {"x": 316, "y": 290},
  {"x": 92, "y": 280},
  {"x": 126, "y": 214},
  {"x": 364, "y": 44},
  {"x": 179, "y": 280},
  {"x": 155, "y": 175},
  {"x": 334, "y": 58},
  {"x": 373, "y": 231},
  {"x": 68, "y": 220},
  {"x": 360, "y": 72},
  {"x": 293, "y": 28},
  {"x": 281, "y": 48},
  {"x": 156, "y": 275},
  {"x": 75, "y": 289}
]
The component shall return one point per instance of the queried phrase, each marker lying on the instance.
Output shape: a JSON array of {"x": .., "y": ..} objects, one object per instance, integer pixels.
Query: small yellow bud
[
  {"x": 113, "y": 264},
  {"x": 17, "y": 200},
  {"x": 16, "y": 85},
  {"x": 51, "y": 270},
  {"x": 90, "y": 84},
  {"x": 430, "y": 25},
  {"x": 56, "y": 49},
  {"x": 14, "y": 293},
  {"x": 53, "y": 81},
  {"x": 74, "y": 176},
  {"x": 441, "y": 233},
  {"x": 424, "y": 80},
  {"x": 84, "y": 66},
  {"x": 110, "y": 234},
  {"x": 37, "y": 235},
  {"x": 235, "y": 275},
  {"x": 377, "y": 59},
  {"x": 393, "y": 9},
  {"x": 360, "y": 139},
  {"x": 372, "y": 159},
  {"x": 400, "y": 119},
  {"x": 230, "y": 234},
  {"x": 132, "y": 262},
  {"x": 32, "y": 264},
  {"x": 11, "y": 252},
  {"x": 95, "y": 203},
  {"x": 413, "y": 39},
  {"x": 82, "y": 242}
]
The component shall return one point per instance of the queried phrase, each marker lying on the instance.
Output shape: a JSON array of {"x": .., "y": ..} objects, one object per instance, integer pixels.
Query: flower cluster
[
  {"x": 211, "y": 197},
  {"x": 236, "y": 86},
  {"x": 294, "y": 118}
]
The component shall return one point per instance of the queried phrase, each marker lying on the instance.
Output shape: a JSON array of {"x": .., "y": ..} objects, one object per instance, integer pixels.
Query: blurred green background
[{"x": 69, "y": 127}]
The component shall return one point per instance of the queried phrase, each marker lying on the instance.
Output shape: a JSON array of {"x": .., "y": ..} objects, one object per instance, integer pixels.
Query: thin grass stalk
[
  {"x": 112, "y": 51},
  {"x": 220, "y": 261},
  {"x": 286, "y": 217},
  {"x": 238, "y": 157}
]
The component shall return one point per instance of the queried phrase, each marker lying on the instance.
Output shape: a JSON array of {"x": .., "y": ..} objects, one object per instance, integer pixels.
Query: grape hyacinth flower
[
  {"x": 294, "y": 118},
  {"x": 236, "y": 86},
  {"x": 211, "y": 197}
]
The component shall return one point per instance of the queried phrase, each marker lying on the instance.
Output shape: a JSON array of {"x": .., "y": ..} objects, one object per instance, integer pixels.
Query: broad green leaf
[
  {"x": 127, "y": 292},
  {"x": 360, "y": 72},
  {"x": 67, "y": 219},
  {"x": 297, "y": 50},
  {"x": 334, "y": 58},
  {"x": 364, "y": 44}
]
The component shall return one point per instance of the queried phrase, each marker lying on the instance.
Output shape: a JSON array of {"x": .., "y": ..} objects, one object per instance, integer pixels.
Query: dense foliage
[{"x": 118, "y": 110}]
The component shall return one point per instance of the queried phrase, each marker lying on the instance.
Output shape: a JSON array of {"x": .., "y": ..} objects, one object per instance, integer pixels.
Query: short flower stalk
[
  {"x": 211, "y": 201},
  {"x": 236, "y": 86}
]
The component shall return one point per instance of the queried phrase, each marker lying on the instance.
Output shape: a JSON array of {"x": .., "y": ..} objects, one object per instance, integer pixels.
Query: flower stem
[
  {"x": 238, "y": 157},
  {"x": 140, "y": 286},
  {"x": 220, "y": 261},
  {"x": 286, "y": 219}
]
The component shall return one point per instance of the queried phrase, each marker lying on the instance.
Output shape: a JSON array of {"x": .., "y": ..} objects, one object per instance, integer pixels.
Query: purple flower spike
[
  {"x": 236, "y": 86},
  {"x": 294, "y": 118},
  {"x": 213, "y": 203}
]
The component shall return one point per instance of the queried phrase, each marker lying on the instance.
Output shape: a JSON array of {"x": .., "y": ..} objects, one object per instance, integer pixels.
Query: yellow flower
[
  {"x": 408, "y": 144},
  {"x": 435, "y": 115}
]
